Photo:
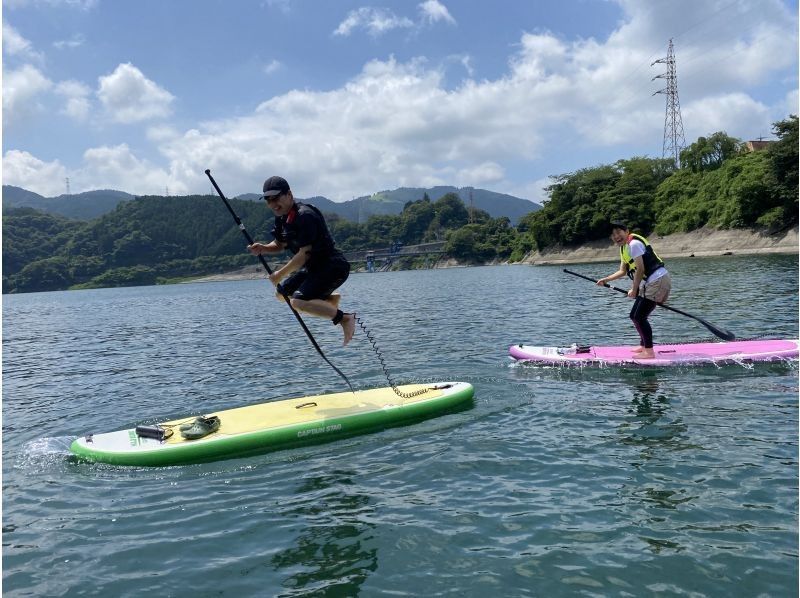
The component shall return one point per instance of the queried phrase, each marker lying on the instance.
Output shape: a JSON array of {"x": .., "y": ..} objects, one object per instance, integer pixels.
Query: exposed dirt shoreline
[{"x": 698, "y": 243}]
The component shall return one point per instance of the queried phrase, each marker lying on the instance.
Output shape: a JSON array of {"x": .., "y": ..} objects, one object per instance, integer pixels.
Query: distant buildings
[{"x": 757, "y": 145}]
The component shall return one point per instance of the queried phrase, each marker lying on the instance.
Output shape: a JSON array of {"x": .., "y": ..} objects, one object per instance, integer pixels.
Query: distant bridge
[{"x": 383, "y": 258}]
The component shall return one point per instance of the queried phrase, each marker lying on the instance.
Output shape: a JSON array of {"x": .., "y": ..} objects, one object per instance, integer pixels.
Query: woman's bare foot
[
  {"x": 348, "y": 327},
  {"x": 646, "y": 354},
  {"x": 638, "y": 349}
]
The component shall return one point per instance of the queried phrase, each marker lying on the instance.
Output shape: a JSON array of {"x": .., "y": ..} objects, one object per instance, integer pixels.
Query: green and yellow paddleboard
[{"x": 274, "y": 425}]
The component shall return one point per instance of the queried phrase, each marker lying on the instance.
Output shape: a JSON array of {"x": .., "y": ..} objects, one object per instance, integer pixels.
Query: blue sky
[{"x": 347, "y": 98}]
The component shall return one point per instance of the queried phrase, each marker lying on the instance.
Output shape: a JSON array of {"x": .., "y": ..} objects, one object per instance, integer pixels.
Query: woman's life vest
[{"x": 651, "y": 260}]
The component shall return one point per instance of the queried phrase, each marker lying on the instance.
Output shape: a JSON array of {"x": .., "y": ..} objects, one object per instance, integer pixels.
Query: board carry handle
[
  {"x": 264, "y": 263},
  {"x": 716, "y": 331}
]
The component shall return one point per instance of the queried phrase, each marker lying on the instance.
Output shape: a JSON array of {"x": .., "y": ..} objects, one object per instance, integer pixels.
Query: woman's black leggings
[{"x": 641, "y": 310}]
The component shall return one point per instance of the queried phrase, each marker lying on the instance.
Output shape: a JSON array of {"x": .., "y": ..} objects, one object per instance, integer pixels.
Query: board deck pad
[
  {"x": 276, "y": 425},
  {"x": 666, "y": 355}
]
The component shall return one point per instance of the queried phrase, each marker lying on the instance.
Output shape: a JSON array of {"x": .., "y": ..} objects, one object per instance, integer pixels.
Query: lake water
[{"x": 595, "y": 482}]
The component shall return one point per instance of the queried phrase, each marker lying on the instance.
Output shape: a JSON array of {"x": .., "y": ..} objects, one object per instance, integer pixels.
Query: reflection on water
[
  {"x": 659, "y": 438},
  {"x": 557, "y": 482},
  {"x": 647, "y": 401},
  {"x": 651, "y": 427},
  {"x": 331, "y": 555}
]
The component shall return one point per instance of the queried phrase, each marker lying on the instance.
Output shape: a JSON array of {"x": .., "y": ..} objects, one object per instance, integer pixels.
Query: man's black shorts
[{"x": 318, "y": 283}]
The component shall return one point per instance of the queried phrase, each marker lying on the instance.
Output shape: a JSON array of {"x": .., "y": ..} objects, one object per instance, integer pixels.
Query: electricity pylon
[{"x": 674, "y": 141}]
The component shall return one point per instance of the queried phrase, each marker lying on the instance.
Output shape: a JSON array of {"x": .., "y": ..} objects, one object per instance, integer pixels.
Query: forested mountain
[
  {"x": 152, "y": 239},
  {"x": 93, "y": 204},
  {"x": 81, "y": 206},
  {"x": 149, "y": 240},
  {"x": 391, "y": 203},
  {"x": 139, "y": 242}
]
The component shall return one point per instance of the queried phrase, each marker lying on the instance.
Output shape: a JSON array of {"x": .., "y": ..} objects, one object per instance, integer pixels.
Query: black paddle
[
  {"x": 723, "y": 334},
  {"x": 250, "y": 241}
]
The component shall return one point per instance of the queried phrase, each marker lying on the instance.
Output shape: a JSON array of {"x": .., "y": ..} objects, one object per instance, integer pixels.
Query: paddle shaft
[
  {"x": 269, "y": 271},
  {"x": 723, "y": 334}
]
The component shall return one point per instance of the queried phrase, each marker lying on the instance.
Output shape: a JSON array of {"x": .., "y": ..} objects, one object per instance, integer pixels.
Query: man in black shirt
[{"x": 317, "y": 268}]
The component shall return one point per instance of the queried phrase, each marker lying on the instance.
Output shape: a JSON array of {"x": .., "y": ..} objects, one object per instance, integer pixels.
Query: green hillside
[
  {"x": 81, "y": 206},
  {"x": 391, "y": 203},
  {"x": 150, "y": 240}
]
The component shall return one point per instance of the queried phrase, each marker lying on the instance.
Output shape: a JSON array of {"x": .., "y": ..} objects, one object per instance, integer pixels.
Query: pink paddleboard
[{"x": 666, "y": 355}]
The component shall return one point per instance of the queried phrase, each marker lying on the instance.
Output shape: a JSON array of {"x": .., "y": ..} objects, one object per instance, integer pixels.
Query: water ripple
[{"x": 558, "y": 481}]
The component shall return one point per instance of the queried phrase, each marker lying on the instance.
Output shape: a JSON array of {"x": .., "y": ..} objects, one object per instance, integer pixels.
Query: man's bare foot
[
  {"x": 348, "y": 327},
  {"x": 646, "y": 354}
]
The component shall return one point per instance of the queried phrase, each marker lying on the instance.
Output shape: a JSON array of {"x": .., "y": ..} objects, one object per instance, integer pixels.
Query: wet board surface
[
  {"x": 277, "y": 425},
  {"x": 666, "y": 355}
]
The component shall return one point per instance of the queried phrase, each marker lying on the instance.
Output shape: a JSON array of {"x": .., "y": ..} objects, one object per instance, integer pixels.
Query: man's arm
[
  {"x": 262, "y": 248},
  {"x": 298, "y": 261}
]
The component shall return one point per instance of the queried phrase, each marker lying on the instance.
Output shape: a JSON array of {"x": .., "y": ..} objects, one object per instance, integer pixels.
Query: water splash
[{"x": 44, "y": 453}]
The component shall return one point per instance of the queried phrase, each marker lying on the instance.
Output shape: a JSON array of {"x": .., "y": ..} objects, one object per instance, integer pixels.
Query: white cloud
[
  {"x": 399, "y": 124},
  {"x": 273, "y": 66},
  {"x": 535, "y": 191},
  {"x": 484, "y": 174},
  {"x": 396, "y": 124},
  {"x": 162, "y": 133},
  {"x": 392, "y": 125},
  {"x": 434, "y": 11},
  {"x": 24, "y": 170},
  {"x": 77, "y": 96},
  {"x": 130, "y": 97},
  {"x": 789, "y": 106},
  {"x": 102, "y": 168},
  {"x": 464, "y": 60},
  {"x": 284, "y": 6},
  {"x": 79, "y": 4},
  {"x": 717, "y": 113},
  {"x": 118, "y": 168},
  {"x": 75, "y": 41},
  {"x": 376, "y": 21},
  {"x": 16, "y": 45},
  {"x": 21, "y": 88}
]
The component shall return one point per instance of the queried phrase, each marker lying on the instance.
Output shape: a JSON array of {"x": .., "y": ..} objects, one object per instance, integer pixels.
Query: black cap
[
  {"x": 274, "y": 186},
  {"x": 618, "y": 225}
]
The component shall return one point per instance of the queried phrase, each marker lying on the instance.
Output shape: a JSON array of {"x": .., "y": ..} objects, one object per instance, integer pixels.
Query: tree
[
  {"x": 743, "y": 192},
  {"x": 708, "y": 153},
  {"x": 382, "y": 230},
  {"x": 583, "y": 204},
  {"x": 414, "y": 221},
  {"x": 783, "y": 156},
  {"x": 450, "y": 211},
  {"x": 131, "y": 249},
  {"x": 675, "y": 204},
  {"x": 49, "y": 274},
  {"x": 30, "y": 235}
]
